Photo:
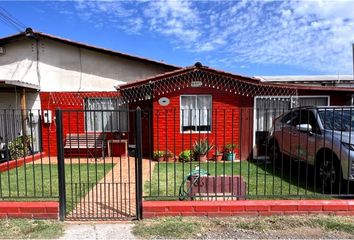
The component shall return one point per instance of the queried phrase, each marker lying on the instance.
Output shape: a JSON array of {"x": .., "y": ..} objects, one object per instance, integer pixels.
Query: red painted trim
[
  {"x": 5, "y": 166},
  {"x": 247, "y": 208},
  {"x": 38, "y": 210}
]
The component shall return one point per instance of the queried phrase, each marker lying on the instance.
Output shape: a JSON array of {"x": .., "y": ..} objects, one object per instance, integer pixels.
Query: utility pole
[{"x": 352, "y": 101}]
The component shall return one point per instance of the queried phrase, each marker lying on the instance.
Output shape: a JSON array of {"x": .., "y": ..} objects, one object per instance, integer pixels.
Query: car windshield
[{"x": 337, "y": 119}]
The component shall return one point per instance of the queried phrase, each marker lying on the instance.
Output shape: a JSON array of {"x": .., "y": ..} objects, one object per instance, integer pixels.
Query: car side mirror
[{"x": 304, "y": 128}]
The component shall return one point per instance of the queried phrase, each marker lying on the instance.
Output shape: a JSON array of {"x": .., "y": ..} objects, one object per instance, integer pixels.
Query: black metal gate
[{"x": 99, "y": 164}]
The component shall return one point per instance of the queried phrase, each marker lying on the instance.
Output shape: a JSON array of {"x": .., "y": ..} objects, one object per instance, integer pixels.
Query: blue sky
[{"x": 245, "y": 37}]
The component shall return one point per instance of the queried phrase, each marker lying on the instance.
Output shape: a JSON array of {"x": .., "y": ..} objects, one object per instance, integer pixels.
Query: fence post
[
  {"x": 138, "y": 164},
  {"x": 61, "y": 165}
]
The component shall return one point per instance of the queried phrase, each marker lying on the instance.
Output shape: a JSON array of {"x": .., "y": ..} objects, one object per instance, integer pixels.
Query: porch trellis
[{"x": 234, "y": 85}]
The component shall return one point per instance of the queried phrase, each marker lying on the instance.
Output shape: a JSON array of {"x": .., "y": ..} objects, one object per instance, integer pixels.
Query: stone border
[
  {"x": 5, "y": 166},
  {"x": 247, "y": 208}
]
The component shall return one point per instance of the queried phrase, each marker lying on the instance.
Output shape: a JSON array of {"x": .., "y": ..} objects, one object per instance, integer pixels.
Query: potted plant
[
  {"x": 159, "y": 156},
  {"x": 20, "y": 146},
  {"x": 218, "y": 156},
  {"x": 169, "y": 156},
  {"x": 201, "y": 149},
  {"x": 230, "y": 154},
  {"x": 186, "y": 156}
]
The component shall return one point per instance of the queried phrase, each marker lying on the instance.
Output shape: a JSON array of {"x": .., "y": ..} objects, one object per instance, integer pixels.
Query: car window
[
  {"x": 337, "y": 119},
  {"x": 305, "y": 117},
  {"x": 287, "y": 119}
]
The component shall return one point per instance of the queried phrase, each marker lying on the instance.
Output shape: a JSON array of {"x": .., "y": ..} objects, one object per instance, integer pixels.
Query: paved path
[
  {"x": 114, "y": 196},
  {"x": 98, "y": 231}
]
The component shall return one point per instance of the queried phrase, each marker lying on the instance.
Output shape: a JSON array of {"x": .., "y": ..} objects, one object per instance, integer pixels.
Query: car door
[
  {"x": 303, "y": 145},
  {"x": 285, "y": 130}
]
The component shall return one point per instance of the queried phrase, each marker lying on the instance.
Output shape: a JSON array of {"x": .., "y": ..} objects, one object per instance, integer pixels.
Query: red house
[{"x": 193, "y": 103}]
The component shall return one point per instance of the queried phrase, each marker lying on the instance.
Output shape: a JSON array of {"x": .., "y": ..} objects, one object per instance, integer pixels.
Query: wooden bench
[
  {"x": 89, "y": 144},
  {"x": 217, "y": 186}
]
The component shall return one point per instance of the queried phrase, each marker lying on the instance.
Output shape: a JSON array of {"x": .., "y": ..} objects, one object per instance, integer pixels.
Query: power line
[
  {"x": 16, "y": 20},
  {"x": 11, "y": 21}
]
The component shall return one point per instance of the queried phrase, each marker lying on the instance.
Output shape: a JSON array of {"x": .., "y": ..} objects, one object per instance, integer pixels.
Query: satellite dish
[{"x": 164, "y": 101}]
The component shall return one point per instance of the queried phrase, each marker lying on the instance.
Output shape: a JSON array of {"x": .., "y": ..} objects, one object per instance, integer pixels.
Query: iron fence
[
  {"x": 101, "y": 163},
  {"x": 26, "y": 172},
  {"x": 251, "y": 153}
]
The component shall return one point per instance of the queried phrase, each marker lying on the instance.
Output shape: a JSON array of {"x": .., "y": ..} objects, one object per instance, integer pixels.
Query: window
[
  {"x": 305, "y": 117},
  {"x": 107, "y": 120},
  {"x": 269, "y": 109},
  {"x": 196, "y": 113},
  {"x": 302, "y": 101}
]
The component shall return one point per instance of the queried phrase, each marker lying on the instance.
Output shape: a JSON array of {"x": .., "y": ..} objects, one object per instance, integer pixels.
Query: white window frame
[
  {"x": 311, "y": 96},
  {"x": 180, "y": 113},
  {"x": 86, "y": 115}
]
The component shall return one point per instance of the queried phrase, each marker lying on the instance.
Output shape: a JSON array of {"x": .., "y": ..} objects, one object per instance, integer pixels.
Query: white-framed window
[
  {"x": 196, "y": 112},
  {"x": 107, "y": 117},
  {"x": 302, "y": 101}
]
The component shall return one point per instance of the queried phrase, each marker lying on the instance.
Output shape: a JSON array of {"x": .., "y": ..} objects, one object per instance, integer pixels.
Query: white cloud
[{"x": 315, "y": 35}]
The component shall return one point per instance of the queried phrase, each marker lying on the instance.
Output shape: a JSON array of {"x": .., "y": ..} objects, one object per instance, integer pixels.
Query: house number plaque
[{"x": 196, "y": 84}]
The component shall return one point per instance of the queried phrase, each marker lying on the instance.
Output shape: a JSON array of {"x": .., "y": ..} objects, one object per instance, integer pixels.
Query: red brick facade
[
  {"x": 232, "y": 117},
  {"x": 225, "y": 126},
  {"x": 73, "y": 122}
]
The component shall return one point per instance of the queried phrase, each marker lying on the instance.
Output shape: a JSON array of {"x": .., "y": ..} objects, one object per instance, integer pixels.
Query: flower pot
[
  {"x": 170, "y": 159},
  {"x": 230, "y": 156},
  {"x": 217, "y": 157},
  {"x": 160, "y": 159},
  {"x": 202, "y": 158}
]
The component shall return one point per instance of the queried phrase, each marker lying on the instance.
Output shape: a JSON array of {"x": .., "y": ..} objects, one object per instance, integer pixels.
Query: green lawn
[
  {"x": 263, "y": 181},
  {"x": 272, "y": 227},
  {"x": 40, "y": 182},
  {"x": 30, "y": 229}
]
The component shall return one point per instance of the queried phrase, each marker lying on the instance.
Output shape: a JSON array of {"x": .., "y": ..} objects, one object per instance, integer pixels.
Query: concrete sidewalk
[{"x": 98, "y": 231}]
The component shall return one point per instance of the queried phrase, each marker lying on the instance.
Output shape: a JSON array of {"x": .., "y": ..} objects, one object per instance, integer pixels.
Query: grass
[
  {"x": 40, "y": 182},
  {"x": 263, "y": 181},
  {"x": 24, "y": 228},
  {"x": 241, "y": 227},
  {"x": 177, "y": 227}
]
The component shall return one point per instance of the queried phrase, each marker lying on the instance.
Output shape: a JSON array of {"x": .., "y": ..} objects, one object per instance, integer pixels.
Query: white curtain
[
  {"x": 195, "y": 112},
  {"x": 312, "y": 101},
  {"x": 267, "y": 109},
  {"x": 188, "y": 106},
  {"x": 107, "y": 116},
  {"x": 203, "y": 110}
]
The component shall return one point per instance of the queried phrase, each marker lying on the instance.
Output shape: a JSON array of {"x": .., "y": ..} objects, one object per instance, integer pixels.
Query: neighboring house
[
  {"x": 196, "y": 102},
  {"x": 314, "y": 80},
  {"x": 41, "y": 72}
]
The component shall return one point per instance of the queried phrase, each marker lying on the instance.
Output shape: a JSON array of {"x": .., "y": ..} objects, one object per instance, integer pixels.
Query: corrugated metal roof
[
  {"x": 306, "y": 78},
  {"x": 17, "y": 83}
]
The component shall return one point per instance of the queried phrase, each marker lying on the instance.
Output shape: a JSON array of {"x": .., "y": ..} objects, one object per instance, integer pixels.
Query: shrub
[
  {"x": 186, "y": 156},
  {"x": 19, "y": 147},
  {"x": 202, "y": 147},
  {"x": 158, "y": 154},
  {"x": 230, "y": 147},
  {"x": 168, "y": 154}
]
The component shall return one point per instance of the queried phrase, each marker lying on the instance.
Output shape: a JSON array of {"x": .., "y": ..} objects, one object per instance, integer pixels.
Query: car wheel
[
  {"x": 274, "y": 152},
  {"x": 329, "y": 173}
]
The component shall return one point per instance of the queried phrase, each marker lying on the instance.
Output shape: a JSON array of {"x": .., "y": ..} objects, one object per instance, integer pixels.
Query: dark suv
[{"x": 320, "y": 136}]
